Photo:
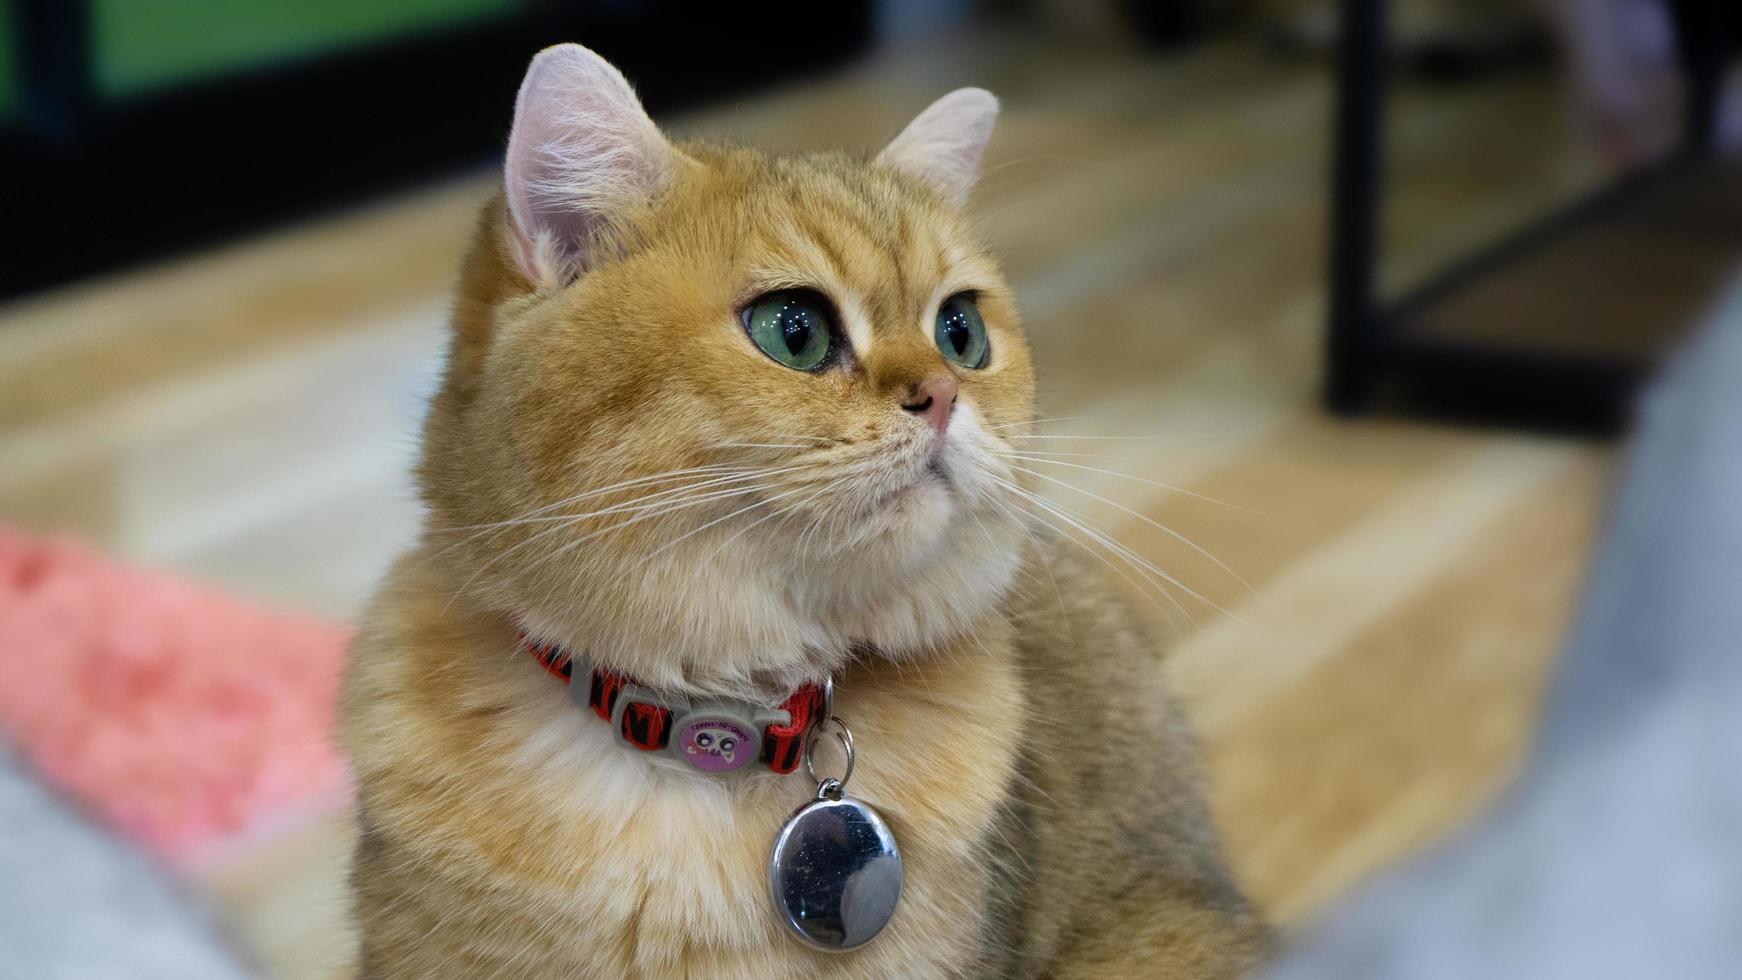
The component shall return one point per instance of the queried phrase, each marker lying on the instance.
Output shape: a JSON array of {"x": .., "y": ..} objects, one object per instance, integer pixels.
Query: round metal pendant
[{"x": 835, "y": 872}]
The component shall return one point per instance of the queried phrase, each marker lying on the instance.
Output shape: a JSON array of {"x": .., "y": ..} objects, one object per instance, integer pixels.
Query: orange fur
[{"x": 502, "y": 831}]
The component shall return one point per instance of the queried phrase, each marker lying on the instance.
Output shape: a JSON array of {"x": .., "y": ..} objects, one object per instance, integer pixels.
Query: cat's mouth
[{"x": 932, "y": 474}]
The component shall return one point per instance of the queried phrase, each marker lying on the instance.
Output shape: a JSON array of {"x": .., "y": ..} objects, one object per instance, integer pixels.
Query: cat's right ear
[
  {"x": 583, "y": 152},
  {"x": 942, "y": 146}
]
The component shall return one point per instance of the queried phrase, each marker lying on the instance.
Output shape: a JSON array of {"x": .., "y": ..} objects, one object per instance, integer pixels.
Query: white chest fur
[{"x": 580, "y": 857}]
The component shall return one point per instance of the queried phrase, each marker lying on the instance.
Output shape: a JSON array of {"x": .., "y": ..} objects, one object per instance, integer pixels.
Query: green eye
[
  {"x": 792, "y": 327},
  {"x": 961, "y": 334}
]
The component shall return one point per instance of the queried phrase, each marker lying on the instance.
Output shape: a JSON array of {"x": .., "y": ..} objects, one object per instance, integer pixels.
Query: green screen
[
  {"x": 141, "y": 44},
  {"x": 8, "y": 66}
]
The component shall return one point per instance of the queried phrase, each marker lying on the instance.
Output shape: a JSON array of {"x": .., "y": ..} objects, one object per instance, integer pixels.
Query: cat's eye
[
  {"x": 960, "y": 333},
  {"x": 793, "y": 328}
]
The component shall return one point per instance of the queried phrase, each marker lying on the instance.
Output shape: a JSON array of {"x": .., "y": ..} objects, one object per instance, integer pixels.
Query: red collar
[{"x": 716, "y": 736}]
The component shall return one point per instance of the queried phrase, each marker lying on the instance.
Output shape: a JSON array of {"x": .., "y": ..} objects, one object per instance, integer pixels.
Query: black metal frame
[
  {"x": 87, "y": 185},
  {"x": 1367, "y": 345}
]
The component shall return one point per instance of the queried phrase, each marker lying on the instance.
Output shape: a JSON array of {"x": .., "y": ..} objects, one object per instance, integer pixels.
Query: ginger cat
[{"x": 726, "y": 425}]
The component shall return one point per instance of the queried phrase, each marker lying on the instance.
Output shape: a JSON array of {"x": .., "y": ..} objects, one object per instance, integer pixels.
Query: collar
[{"x": 715, "y": 735}]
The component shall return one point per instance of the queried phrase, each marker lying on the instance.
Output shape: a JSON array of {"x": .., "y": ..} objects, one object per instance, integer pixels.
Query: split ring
[{"x": 842, "y": 735}]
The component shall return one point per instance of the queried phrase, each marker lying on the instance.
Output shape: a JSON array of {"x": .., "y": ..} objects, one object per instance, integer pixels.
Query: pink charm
[{"x": 716, "y": 744}]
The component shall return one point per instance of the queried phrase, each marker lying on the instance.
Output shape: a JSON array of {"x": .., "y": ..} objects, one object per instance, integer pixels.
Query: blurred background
[{"x": 1423, "y": 318}]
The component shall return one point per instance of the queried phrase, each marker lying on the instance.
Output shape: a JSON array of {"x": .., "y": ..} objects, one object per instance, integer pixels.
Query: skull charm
[{"x": 716, "y": 744}]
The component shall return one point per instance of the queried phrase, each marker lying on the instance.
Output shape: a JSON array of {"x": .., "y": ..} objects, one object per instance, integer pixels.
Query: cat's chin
[
  {"x": 902, "y": 572},
  {"x": 933, "y": 567},
  {"x": 773, "y": 613},
  {"x": 920, "y": 512},
  {"x": 788, "y": 609}
]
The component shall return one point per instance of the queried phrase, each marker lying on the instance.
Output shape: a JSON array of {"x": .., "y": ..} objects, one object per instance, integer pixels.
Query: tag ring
[{"x": 842, "y": 735}]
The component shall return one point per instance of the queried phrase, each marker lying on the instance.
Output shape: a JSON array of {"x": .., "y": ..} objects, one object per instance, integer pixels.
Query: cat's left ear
[
  {"x": 583, "y": 153},
  {"x": 942, "y": 145}
]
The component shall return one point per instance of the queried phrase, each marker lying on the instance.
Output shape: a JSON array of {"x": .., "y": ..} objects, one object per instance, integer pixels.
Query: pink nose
[{"x": 933, "y": 400}]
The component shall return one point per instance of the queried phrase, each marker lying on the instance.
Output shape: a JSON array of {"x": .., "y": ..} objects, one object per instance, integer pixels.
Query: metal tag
[{"x": 835, "y": 872}]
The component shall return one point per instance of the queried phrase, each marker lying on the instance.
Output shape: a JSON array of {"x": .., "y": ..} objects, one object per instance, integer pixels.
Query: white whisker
[
  {"x": 670, "y": 507},
  {"x": 1138, "y": 587},
  {"x": 686, "y": 499},
  {"x": 1126, "y": 552},
  {"x": 662, "y": 549},
  {"x": 1130, "y": 476},
  {"x": 1152, "y": 438},
  {"x": 1055, "y": 418},
  {"x": 1163, "y": 528},
  {"x": 482, "y": 529}
]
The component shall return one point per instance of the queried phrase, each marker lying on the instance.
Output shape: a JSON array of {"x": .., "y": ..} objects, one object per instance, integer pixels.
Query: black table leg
[
  {"x": 1353, "y": 333},
  {"x": 1703, "y": 38}
]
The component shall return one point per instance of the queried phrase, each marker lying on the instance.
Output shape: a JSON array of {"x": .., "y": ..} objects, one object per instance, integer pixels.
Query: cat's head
[{"x": 720, "y": 418}]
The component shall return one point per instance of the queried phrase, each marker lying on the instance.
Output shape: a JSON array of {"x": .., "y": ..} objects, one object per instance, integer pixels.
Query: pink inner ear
[
  {"x": 943, "y": 144},
  {"x": 582, "y": 150}
]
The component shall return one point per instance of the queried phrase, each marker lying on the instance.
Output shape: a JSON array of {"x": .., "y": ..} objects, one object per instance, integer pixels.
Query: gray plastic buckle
[{"x": 714, "y": 735}]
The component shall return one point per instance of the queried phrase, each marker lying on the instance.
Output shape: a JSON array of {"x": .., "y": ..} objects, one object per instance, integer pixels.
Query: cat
[{"x": 719, "y": 423}]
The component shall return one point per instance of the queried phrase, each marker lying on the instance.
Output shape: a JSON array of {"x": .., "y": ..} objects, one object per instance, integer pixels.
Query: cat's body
[
  {"x": 1045, "y": 800},
  {"x": 613, "y": 446}
]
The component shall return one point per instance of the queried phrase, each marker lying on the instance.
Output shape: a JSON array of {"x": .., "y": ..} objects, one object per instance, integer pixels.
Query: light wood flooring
[{"x": 246, "y": 416}]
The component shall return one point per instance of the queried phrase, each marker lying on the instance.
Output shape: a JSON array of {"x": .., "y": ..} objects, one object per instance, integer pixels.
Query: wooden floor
[{"x": 247, "y": 416}]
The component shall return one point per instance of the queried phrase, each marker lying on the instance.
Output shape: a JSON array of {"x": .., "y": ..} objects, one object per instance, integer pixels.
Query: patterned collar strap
[{"x": 717, "y": 736}]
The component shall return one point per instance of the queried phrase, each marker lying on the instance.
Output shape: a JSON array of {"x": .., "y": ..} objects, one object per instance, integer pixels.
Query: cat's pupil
[
  {"x": 958, "y": 335},
  {"x": 795, "y": 326}
]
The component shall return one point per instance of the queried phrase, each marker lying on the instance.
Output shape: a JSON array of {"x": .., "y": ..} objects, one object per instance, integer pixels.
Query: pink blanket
[{"x": 180, "y": 714}]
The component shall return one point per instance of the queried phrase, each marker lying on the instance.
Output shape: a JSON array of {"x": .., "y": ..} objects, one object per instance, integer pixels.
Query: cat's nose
[{"x": 933, "y": 399}]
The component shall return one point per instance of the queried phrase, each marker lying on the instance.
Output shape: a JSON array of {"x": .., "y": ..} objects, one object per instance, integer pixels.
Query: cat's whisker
[
  {"x": 808, "y": 535},
  {"x": 1163, "y": 528},
  {"x": 992, "y": 545},
  {"x": 662, "y": 549},
  {"x": 598, "y": 491},
  {"x": 648, "y": 499},
  {"x": 873, "y": 462},
  {"x": 1056, "y": 453},
  {"x": 1145, "y": 585},
  {"x": 656, "y": 509},
  {"x": 1040, "y": 421},
  {"x": 1134, "y": 556},
  {"x": 1045, "y": 558},
  {"x": 1038, "y": 158},
  {"x": 1150, "y": 438},
  {"x": 534, "y": 518},
  {"x": 1126, "y": 476},
  {"x": 1126, "y": 437},
  {"x": 1151, "y": 568},
  {"x": 1148, "y": 593},
  {"x": 670, "y": 507},
  {"x": 483, "y": 529},
  {"x": 773, "y": 514},
  {"x": 764, "y": 445},
  {"x": 652, "y": 500}
]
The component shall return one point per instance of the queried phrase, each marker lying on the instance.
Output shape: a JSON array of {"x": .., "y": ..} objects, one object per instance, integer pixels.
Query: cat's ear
[
  {"x": 942, "y": 145},
  {"x": 583, "y": 151}
]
